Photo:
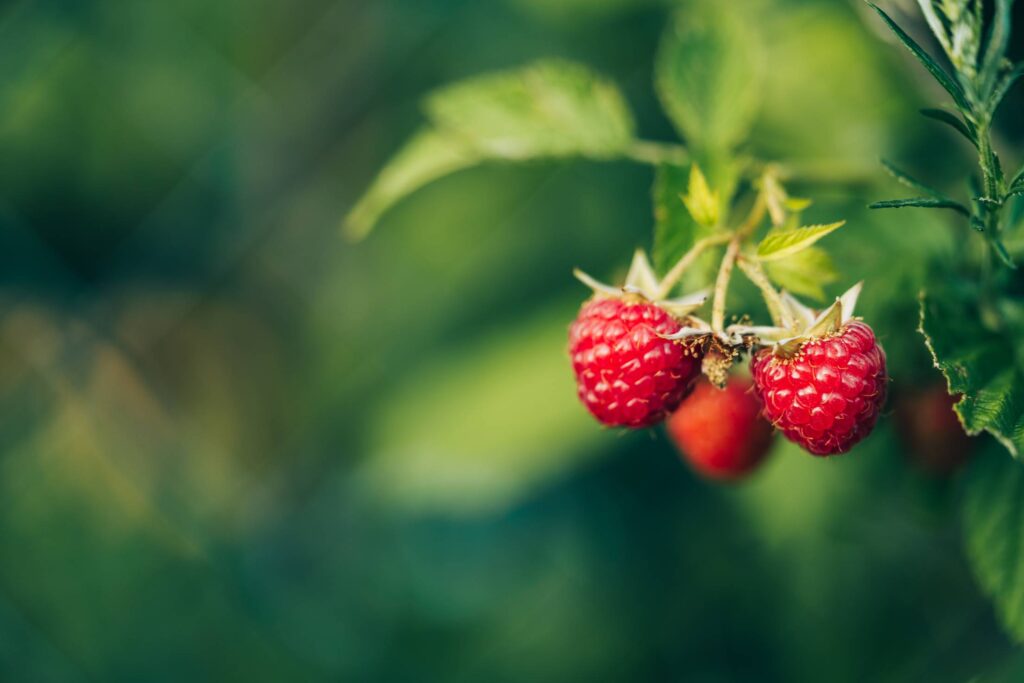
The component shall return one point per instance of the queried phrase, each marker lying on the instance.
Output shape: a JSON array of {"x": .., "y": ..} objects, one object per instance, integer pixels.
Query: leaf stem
[
  {"x": 654, "y": 153},
  {"x": 699, "y": 247},
  {"x": 755, "y": 273}
]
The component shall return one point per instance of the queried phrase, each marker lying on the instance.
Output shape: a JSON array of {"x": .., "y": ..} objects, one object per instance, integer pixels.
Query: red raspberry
[
  {"x": 720, "y": 431},
  {"x": 626, "y": 374},
  {"x": 827, "y": 397}
]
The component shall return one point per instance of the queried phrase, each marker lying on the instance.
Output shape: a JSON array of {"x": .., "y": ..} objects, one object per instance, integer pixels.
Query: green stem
[
  {"x": 722, "y": 283},
  {"x": 776, "y": 309},
  {"x": 699, "y": 247}
]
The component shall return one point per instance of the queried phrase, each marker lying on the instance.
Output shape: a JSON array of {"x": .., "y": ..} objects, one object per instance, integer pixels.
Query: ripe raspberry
[
  {"x": 720, "y": 431},
  {"x": 937, "y": 442},
  {"x": 626, "y": 374},
  {"x": 827, "y": 396}
]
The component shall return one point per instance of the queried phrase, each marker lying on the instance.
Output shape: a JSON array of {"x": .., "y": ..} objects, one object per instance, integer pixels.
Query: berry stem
[
  {"x": 699, "y": 247},
  {"x": 755, "y": 273},
  {"x": 722, "y": 283}
]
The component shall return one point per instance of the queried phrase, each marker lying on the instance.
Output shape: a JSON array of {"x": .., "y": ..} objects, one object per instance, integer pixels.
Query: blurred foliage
[{"x": 236, "y": 446}]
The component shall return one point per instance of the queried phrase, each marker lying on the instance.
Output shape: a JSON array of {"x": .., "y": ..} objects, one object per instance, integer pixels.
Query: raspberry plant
[{"x": 971, "y": 316}]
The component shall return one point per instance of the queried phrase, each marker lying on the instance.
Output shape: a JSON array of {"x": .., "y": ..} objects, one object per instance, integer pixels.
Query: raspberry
[
  {"x": 720, "y": 431},
  {"x": 827, "y": 396},
  {"x": 937, "y": 443},
  {"x": 626, "y": 374}
]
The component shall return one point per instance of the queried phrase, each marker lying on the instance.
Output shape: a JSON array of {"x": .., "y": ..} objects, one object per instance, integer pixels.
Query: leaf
[
  {"x": 675, "y": 231},
  {"x": 993, "y": 517},
  {"x": 548, "y": 109},
  {"x": 1004, "y": 85},
  {"x": 1017, "y": 184},
  {"x": 701, "y": 202},
  {"x": 805, "y": 273},
  {"x": 921, "y": 202},
  {"x": 1002, "y": 253},
  {"x": 959, "y": 125},
  {"x": 995, "y": 50},
  {"x": 940, "y": 75},
  {"x": 427, "y": 156},
  {"x": 908, "y": 180},
  {"x": 551, "y": 108},
  {"x": 978, "y": 364},
  {"x": 782, "y": 243},
  {"x": 707, "y": 75}
]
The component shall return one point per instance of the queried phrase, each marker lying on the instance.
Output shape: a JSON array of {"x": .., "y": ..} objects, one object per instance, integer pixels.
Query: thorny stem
[
  {"x": 699, "y": 247},
  {"x": 755, "y": 273},
  {"x": 722, "y": 283}
]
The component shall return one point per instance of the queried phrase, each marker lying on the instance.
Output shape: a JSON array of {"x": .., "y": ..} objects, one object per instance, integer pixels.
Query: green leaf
[
  {"x": 921, "y": 202},
  {"x": 675, "y": 231},
  {"x": 779, "y": 244},
  {"x": 703, "y": 204},
  {"x": 955, "y": 122},
  {"x": 993, "y": 517},
  {"x": 551, "y": 108},
  {"x": 940, "y": 75},
  {"x": 1002, "y": 253},
  {"x": 978, "y": 364},
  {"x": 908, "y": 180},
  {"x": 707, "y": 75},
  {"x": 1004, "y": 85},
  {"x": 427, "y": 156},
  {"x": 805, "y": 273},
  {"x": 1017, "y": 184},
  {"x": 995, "y": 50}
]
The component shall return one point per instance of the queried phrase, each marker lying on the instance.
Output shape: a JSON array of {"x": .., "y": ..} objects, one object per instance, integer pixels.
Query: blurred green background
[{"x": 236, "y": 446}]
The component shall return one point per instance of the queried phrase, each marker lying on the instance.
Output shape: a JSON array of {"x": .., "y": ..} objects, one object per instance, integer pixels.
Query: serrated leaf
[
  {"x": 921, "y": 202},
  {"x": 937, "y": 72},
  {"x": 980, "y": 365},
  {"x": 993, "y": 518},
  {"x": 551, "y": 108},
  {"x": 908, "y": 180},
  {"x": 779, "y": 244},
  {"x": 675, "y": 231},
  {"x": 805, "y": 273},
  {"x": 1017, "y": 184},
  {"x": 707, "y": 75},
  {"x": 700, "y": 201},
  {"x": 427, "y": 156},
  {"x": 955, "y": 122}
]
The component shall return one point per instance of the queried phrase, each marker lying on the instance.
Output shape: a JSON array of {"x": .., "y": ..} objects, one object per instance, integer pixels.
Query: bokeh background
[{"x": 236, "y": 446}]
